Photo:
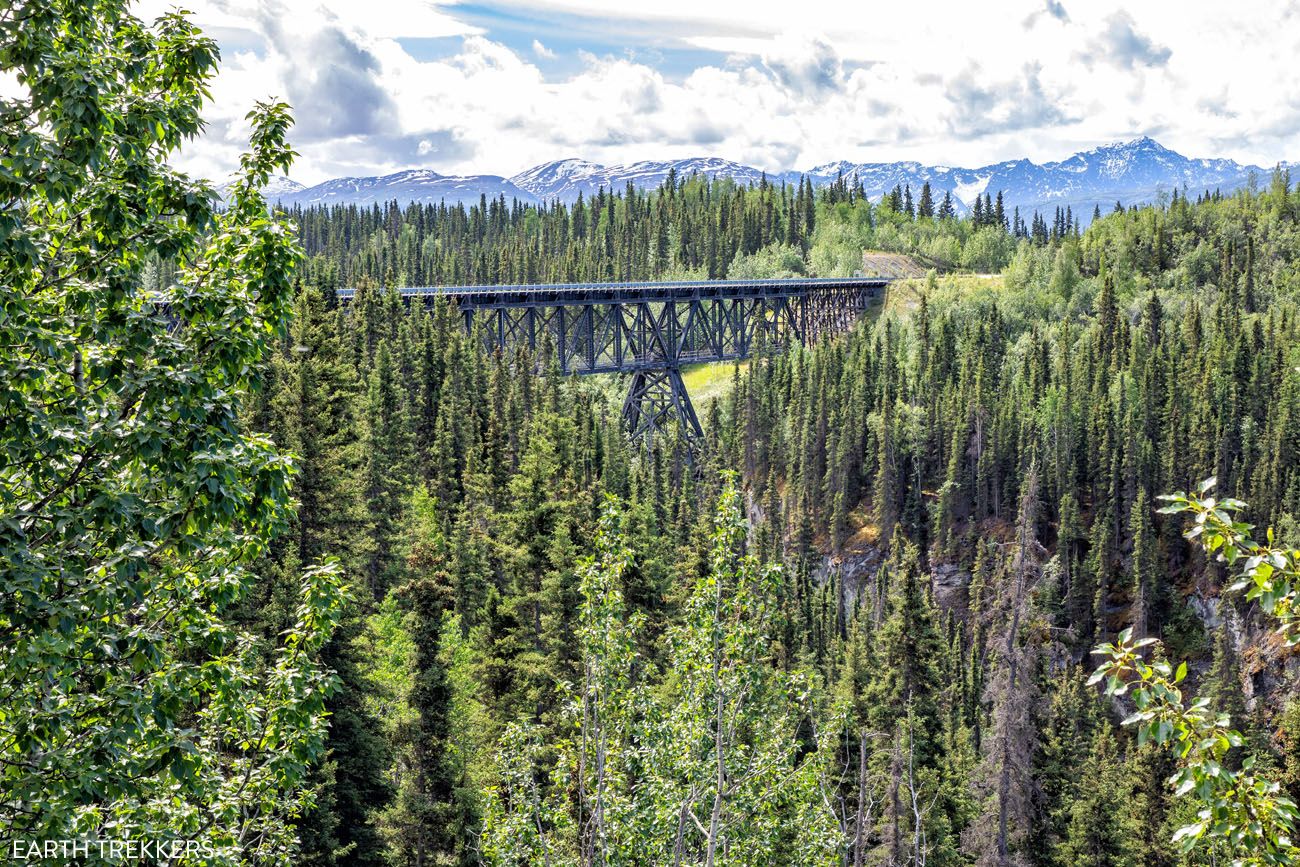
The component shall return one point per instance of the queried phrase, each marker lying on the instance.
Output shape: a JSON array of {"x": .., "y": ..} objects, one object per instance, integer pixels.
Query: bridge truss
[{"x": 651, "y": 329}]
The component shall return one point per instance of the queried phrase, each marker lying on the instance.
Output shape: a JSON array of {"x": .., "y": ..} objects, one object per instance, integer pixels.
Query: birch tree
[{"x": 133, "y": 500}]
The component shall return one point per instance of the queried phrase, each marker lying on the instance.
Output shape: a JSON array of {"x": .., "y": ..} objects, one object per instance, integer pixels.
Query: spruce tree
[
  {"x": 1222, "y": 686},
  {"x": 432, "y": 817},
  {"x": 1144, "y": 569},
  {"x": 1070, "y": 721},
  {"x": 1001, "y": 831},
  {"x": 1096, "y": 834},
  {"x": 903, "y": 704},
  {"x": 313, "y": 412},
  {"x": 946, "y": 209},
  {"x": 387, "y": 447},
  {"x": 925, "y": 207}
]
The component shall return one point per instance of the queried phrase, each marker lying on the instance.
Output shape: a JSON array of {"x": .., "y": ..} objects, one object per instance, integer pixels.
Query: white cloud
[
  {"x": 807, "y": 66},
  {"x": 941, "y": 82}
]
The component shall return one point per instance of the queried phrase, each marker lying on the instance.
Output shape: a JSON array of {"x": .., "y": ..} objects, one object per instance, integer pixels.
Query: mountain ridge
[{"x": 1131, "y": 172}]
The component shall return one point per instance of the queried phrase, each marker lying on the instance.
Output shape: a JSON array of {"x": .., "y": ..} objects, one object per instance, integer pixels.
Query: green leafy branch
[
  {"x": 1245, "y": 813},
  {"x": 1268, "y": 572}
]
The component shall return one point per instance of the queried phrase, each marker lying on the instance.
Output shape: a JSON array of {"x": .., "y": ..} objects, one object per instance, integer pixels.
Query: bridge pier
[{"x": 657, "y": 396}]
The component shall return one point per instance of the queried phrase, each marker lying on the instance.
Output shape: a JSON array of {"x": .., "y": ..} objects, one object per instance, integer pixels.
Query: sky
[{"x": 480, "y": 87}]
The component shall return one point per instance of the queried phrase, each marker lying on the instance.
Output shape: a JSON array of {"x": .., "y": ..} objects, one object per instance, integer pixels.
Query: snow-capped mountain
[
  {"x": 414, "y": 185},
  {"x": 879, "y": 178},
  {"x": 277, "y": 188},
  {"x": 1131, "y": 172},
  {"x": 565, "y": 179}
]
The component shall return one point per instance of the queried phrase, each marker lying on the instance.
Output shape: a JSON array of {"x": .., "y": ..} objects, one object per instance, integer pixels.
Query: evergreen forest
[
  {"x": 883, "y": 582},
  {"x": 326, "y": 585}
]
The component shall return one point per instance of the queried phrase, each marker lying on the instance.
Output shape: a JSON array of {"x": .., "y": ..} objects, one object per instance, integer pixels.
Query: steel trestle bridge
[{"x": 651, "y": 329}]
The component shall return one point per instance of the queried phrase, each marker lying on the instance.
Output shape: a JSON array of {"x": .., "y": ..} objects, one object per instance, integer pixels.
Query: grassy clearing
[
  {"x": 878, "y": 263},
  {"x": 704, "y": 382},
  {"x": 710, "y": 380}
]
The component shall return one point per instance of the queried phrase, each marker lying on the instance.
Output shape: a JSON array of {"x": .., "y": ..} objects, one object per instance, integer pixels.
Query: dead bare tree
[{"x": 1005, "y": 779}]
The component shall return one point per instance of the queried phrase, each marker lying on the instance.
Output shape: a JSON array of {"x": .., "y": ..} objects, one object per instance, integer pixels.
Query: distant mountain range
[{"x": 1131, "y": 172}]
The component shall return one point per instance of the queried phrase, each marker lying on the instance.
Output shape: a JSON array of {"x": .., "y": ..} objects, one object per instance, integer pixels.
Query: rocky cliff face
[
  {"x": 1267, "y": 665},
  {"x": 856, "y": 572}
]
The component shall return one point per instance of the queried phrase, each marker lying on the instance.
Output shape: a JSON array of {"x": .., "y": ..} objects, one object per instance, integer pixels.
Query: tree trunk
[
  {"x": 858, "y": 833},
  {"x": 720, "y": 779}
]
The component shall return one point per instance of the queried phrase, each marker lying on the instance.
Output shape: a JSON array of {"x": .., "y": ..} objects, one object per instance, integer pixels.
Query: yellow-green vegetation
[
  {"x": 710, "y": 380},
  {"x": 845, "y": 229},
  {"x": 904, "y": 296},
  {"x": 705, "y": 382}
]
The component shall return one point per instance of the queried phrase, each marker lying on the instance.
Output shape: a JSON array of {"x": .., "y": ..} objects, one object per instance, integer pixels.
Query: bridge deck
[{"x": 605, "y": 293}]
